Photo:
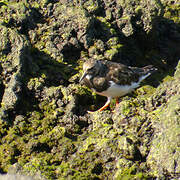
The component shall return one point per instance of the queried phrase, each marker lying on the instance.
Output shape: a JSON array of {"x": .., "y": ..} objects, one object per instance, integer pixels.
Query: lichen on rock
[
  {"x": 45, "y": 130},
  {"x": 163, "y": 157}
]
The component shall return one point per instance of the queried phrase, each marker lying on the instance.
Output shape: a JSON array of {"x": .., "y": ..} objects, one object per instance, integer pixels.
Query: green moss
[
  {"x": 145, "y": 91},
  {"x": 63, "y": 169},
  {"x": 66, "y": 170},
  {"x": 4, "y": 3},
  {"x": 166, "y": 141},
  {"x": 168, "y": 78},
  {"x": 3, "y": 128},
  {"x": 10, "y": 151},
  {"x": 3, "y": 59},
  {"x": 83, "y": 90},
  {"x": 103, "y": 20},
  {"x": 17, "y": 11},
  {"x": 91, "y": 140},
  {"x": 35, "y": 83},
  {"x": 35, "y": 5},
  {"x": 125, "y": 18},
  {"x": 51, "y": 137},
  {"x": 40, "y": 134},
  {"x": 126, "y": 107},
  {"x": 91, "y": 6},
  {"x": 131, "y": 173},
  {"x": 113, "y": 41},
  {"x": 106, "y": 26},
  {"x": 111, "y": 53},
  {"x": 172, "y": 10},
  {"x": 39, "y": 141},
  {"x": 138, "y": 9},
  {"x": 66, "y": 94},
  {"x": 41, "y": 164},
  {"x": 115, "y": 46}
]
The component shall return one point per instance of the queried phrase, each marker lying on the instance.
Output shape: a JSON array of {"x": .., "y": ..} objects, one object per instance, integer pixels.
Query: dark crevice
[
  {"x": 71, "y": 53},
  {"x": 2, "y": 89},
  {"x": 98, "y": 169},
  {"x": 82, "y": 124},
  {"x": 1, "y": 171},
  {"x": 70, "y": 136},
  {"x": 41, "y": 147}
]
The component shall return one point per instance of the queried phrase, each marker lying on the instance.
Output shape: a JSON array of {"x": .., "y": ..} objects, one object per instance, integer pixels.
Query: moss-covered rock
[
  {"x": 45, "y": 130},
  {"x": 14, "y": 52},
  {"x": 171, "y": 10},
  {"x": 163, "y": 157},
  {"x": 164, "y": 153}
]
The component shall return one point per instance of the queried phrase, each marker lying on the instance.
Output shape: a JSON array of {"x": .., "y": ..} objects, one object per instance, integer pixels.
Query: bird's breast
[{"x": 115, "y": 90}]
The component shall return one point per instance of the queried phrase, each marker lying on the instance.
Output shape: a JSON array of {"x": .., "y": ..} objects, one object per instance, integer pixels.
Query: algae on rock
[
  {"x": 164, "y": 155},
  {"x": 47, "y": 131}
]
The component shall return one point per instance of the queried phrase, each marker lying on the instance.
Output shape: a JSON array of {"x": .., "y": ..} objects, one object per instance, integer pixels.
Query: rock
[
  {"x": 15, "y": 172},
  {"x": 15, "y": 177},
  {"x": 44, "y": 124},
  {"x": 13, "y": 70},
  {"x": 12, "y": 92},
  {"x": 163, "y": 158},
  {"x": 177, "y": 72}
]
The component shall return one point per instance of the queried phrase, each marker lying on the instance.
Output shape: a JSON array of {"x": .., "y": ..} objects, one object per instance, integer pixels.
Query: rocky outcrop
[
  {"x": 164, "y": 154},
  {"x": 45, "y": 129}
]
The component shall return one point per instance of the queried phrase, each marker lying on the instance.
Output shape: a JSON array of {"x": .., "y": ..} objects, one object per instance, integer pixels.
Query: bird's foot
[
  {"x": 99, "y": 110},
  {"x": 117, "y": 103},
  {"x": 104, "y": 107},
  {"x": 91, "y": 112}
]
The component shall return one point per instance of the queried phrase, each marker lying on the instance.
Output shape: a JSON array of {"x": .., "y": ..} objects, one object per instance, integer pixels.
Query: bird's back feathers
[{"x": 119, "y": 74}]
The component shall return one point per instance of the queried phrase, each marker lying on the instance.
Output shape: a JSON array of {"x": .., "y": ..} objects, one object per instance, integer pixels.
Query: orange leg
[
  {"x": 104, "y": 107},
  {"x": 117, "y": 101}
]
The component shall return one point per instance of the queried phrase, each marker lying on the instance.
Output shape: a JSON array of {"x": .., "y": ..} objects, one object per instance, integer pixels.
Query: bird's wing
[
  {"x": 118, "y": 73},
  {"x": 122, "y": 74},
  {"x": 100, "y": 83}
]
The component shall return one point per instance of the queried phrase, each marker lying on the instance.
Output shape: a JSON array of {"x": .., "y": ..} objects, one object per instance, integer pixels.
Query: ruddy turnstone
[{"x": 112, "y": 79}]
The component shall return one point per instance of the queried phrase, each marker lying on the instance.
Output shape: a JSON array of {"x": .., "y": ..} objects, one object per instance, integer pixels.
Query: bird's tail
[{"x": 149, "y": 69}]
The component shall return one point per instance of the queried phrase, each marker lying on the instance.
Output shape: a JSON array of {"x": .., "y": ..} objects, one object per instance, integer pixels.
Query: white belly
[{"x": 118, "y": 90}]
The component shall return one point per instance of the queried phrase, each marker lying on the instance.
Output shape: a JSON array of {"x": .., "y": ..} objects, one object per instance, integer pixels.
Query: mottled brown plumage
[{"x": 113, "y": 79}]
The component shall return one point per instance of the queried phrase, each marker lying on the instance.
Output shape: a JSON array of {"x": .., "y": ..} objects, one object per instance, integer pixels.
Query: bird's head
[{"x": 90, "y": 68}]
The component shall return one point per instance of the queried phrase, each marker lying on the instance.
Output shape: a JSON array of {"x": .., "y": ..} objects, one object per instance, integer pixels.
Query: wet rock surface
[{"x": 45, "y": 130}]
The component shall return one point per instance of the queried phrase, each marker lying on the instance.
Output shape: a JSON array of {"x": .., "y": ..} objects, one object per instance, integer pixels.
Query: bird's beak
[{"x": 83, "y": 76}]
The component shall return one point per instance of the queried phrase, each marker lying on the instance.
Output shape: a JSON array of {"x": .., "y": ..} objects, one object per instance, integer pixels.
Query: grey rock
[
  {"x": 15, "y": 177},
  {"x": 164, "y": 155}
]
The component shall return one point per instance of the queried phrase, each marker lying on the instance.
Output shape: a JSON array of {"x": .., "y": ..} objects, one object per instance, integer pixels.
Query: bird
[{"x": 112, "y": 79}]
